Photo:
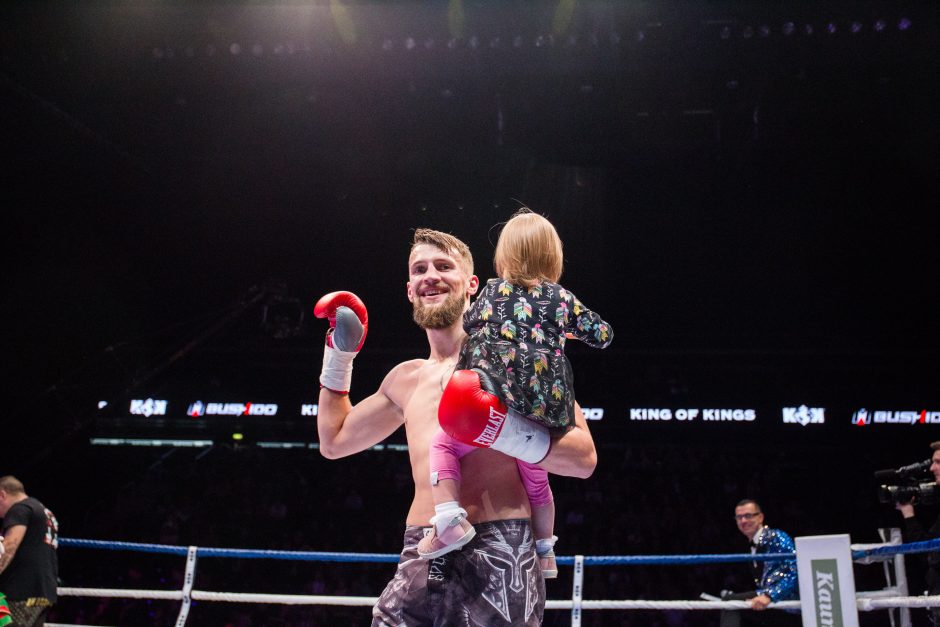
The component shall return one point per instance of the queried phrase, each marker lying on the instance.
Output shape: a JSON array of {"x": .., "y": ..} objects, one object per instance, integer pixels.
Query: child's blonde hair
[{"x": 529, "y": 250}]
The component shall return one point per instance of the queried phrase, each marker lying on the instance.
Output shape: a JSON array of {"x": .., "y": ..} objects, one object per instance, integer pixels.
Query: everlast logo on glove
[{"x": 493, "y": 425}]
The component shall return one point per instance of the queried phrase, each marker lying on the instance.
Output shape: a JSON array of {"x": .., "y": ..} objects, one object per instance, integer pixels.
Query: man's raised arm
[{"x": 344, "y": 429}]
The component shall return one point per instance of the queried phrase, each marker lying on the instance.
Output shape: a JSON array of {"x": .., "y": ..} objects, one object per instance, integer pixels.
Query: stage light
[
  {"x": 831, "y": 28},
  {"x": 725, "y": 32},
  {"x": 856, "y": 27},
  {"x": 343, "y": 20},
  {"x": 235, "y": 49},
  {"x": 788, "y": 28},
  {"x": 748, "y": 32},
  {"x": 904, "y": 23},
  {"x": 880, "y": 25},
  {"x": 764, "y": 30},
  {"x": 808, "y": 29}
]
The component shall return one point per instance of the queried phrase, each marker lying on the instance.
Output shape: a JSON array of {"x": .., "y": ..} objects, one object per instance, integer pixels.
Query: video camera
[{"x": 909, "y": 484}]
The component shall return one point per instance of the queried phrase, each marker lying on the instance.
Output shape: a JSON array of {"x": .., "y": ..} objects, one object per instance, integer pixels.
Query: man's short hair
[
  {"x": 11, "y": 485},
  {"x": 446, "y": 242},
  {"x": 935, "y": 446},
  {"x": 748, "y": 502}
]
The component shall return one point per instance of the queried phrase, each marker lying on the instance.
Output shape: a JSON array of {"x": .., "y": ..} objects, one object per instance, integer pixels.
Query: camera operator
[{"x": 914, "y": 532}]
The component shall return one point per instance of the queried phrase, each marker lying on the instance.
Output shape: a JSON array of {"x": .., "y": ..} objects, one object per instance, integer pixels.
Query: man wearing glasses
[{"x": 773, "y": 580}]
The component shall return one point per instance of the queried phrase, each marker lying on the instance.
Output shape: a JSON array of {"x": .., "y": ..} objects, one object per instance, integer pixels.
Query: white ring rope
[
  {"x": 865, "y": 603},
  {"x": 166, "y": 595}
]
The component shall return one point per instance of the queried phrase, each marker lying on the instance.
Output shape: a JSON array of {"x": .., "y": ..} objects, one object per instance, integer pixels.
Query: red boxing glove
[
  {"x": 472, "y": 413},
  {"x": 347, "y": 333},
  {"x": 349, "y": 323}
]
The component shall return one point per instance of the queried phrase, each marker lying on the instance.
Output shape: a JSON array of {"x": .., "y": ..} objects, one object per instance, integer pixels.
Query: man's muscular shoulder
[{"x": 401, "y": 380}]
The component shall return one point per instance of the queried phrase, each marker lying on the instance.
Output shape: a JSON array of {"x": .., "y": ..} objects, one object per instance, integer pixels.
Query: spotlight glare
[
  {"x": 831, "y": 28},
  {"x": 904, "y": 23},
  {"x": 856, "y": 27},
  {"x": 788, "y": 28},
  {"x": 880, "y": 25}
]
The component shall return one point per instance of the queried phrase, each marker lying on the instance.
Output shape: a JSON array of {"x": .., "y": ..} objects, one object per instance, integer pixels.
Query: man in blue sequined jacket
[{"x": 773, "y": 580}]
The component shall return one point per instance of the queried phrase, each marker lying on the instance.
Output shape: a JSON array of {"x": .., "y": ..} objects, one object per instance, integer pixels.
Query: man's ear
[
  {"x": 474, "y": 285},
  {"x": 410, "y": 292}
]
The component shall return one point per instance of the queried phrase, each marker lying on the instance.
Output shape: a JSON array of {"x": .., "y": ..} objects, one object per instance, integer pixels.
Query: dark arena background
[{"x": 744, "y": 191}]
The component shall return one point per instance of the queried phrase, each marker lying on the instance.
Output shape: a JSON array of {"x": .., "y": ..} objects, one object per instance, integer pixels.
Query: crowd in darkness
[{"x": 645, "y": 498}]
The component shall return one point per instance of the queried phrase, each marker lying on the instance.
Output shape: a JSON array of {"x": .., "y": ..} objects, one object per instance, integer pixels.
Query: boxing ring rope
[{"x": 863, "y": 554}]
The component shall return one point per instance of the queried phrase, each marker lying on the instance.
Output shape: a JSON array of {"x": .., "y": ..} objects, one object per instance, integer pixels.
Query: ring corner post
[{"x": 827, "y": 581}]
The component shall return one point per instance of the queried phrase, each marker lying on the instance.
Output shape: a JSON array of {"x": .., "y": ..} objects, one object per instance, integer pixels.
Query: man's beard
[{"x": 441, "y": 316}]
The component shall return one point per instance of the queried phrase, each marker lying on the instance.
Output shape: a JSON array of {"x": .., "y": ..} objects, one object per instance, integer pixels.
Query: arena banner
[{"x": 827, "y": 582}]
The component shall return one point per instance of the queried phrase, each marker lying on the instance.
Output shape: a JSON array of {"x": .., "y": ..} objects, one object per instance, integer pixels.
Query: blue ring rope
[{"x": 597, "y": 560}]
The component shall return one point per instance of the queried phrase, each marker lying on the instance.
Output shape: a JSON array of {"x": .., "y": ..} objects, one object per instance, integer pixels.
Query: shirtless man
[{"x": 495, "y": 579}]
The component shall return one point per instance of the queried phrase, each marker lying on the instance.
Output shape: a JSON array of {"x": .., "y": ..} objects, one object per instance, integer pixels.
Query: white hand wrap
[
  {"x": 523, "y": 439},
  {"x": 337, "y": 369}
]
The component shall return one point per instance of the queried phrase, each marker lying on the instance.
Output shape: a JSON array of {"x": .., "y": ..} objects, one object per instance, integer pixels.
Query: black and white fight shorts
[{"x": 493, "y": 580}]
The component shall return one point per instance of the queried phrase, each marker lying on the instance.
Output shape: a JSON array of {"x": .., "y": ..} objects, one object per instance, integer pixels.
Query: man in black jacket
[
  {"x": 29, "y": 565},
  {"x": 914, "y": 532}
]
